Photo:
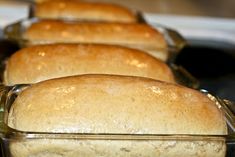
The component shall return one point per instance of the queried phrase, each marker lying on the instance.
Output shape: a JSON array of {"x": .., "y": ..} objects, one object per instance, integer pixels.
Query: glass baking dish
[
  {"x": 180, "y": 74},
  {"x": 138, "y": 14},
  {"x": 17, "y": 143},
  {"x": 183, "y": 77},
  {"x": 16, "y": 30}
]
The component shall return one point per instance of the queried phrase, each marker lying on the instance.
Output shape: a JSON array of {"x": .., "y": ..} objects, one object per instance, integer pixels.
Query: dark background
[{"x": 213, "y": 64}]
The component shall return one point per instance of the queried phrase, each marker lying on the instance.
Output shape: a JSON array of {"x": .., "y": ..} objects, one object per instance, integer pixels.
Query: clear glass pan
[
  {"x": 17, "y": 143},
  {"x": 181, "y": 75},
  {"x": 174, "y": 40}
]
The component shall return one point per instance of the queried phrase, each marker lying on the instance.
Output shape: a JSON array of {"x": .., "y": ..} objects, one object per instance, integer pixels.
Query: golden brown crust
[
  {"x": 115, "y": 104},
  {"x": 42, "y": 62},
  {"x": 93, "y": 11},
  {"x": 140, "y": 36}
]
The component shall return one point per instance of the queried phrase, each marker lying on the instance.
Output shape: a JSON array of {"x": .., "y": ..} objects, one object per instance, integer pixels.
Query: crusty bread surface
[
  {"x": 140, "y": 36},
  {"x": 116, "y": 104},
  {"x": 80, "y": 10},
  {"x": 42, "y": 62}
]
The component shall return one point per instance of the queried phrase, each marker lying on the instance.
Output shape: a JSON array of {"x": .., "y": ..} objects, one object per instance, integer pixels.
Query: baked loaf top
[
  {"x": 40, "y": 1},
  {"x": 42, "y": 62},
  {"x": 94, "y": 11},
  {"x": 114, "y": 104},
  {"x": 98, "y": 32},
  {"x": 141, "y": 36}
]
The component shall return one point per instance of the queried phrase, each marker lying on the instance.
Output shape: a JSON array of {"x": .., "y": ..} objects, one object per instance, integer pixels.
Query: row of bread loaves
[{"x": 105, "y": 77}]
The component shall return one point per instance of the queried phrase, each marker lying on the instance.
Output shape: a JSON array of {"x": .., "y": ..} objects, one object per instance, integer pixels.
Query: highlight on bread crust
[
  {"x": 80, "y": 10},
  {"x": 115, "y": 104},
  {"x": 40, "y": 1},
  {"x": 140, "y": 36},
  {"x": 42, "y": 62}
]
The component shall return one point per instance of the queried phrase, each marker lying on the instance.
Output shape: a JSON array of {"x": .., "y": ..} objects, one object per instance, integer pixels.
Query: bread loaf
[
  {"x": 80, "y": 10},
  {"x": 140, "y": 36},
  {"x": 40, "y": 1},
  {"x": 116, "y": 104},
  {"x": 42, "y": 62}
]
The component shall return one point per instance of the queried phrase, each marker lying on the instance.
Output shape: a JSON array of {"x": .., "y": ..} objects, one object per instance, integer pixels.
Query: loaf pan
[
  {"x": 174, "y": 40},
  {"x": 181, "y": 75},
  {"x": 78, "y": 144},
  {"x": 138, "y": 14}
]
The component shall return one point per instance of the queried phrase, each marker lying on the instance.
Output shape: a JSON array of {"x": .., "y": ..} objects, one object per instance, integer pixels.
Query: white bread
[
  {"x": 42, "y": 62},
  {"x": 139, "y": 36},
  {"x": 116, "y": 104},
  {"x": 80, "y": 10}
]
